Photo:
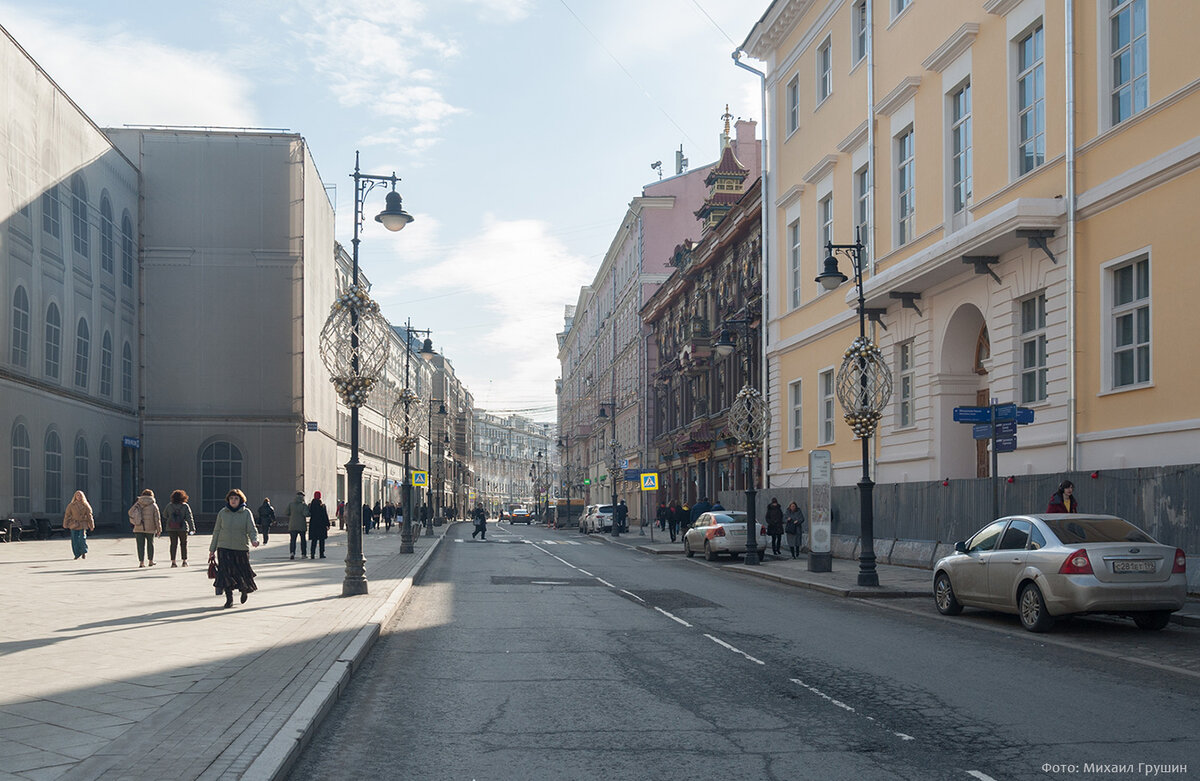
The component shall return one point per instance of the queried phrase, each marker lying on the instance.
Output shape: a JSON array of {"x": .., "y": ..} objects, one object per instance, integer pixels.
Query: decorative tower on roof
[{"x": 726, "y": 182}]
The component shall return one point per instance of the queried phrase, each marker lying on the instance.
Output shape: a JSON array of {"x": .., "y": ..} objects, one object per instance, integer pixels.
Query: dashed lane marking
[
  {"x": 824, "y": 696},
  {"x": 674, "y": 618},
  {"x": 635, "y": 596},
  {"x": 724, "y": 644},
  {"x": 605, "y": 582},
  {"x": 980, "y": 776}
]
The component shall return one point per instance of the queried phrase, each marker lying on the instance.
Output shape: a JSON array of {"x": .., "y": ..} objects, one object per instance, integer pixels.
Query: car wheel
[
  {"x": 687, "y": 549},
  {"x": 1152, "y": 620},
  {"x": 1032, "y": 609},
  {"x": 708, "y": 553},
  {"x": 943, "y": 595}
]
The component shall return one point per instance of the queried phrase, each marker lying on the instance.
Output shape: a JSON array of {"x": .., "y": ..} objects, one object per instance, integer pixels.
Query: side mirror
[{"x": 960, "y": 547}]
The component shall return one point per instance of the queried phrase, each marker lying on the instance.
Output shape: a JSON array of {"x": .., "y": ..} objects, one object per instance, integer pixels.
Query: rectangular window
[
  {"x": 796, "y": 406},
  {"x": 824, "y": 70},
  {"x": 1033, "y": 349},
  {"x": 1131, "y": 323},
  {"x": 862, "y": 204},
  {"x": 905, "y": 194},
  {"x": 1127, "y": 42},
  {"x": 898, "y": 6},
  {"x": 794, "y": 261},
  {"x": 1031, "y": 101},
  {"x": 960, "y": 148},
  {"x": 859, "y": 32},
  {"x": 905, "y": 380},
  {"x": 825, "y": 221},
  {"x": 51, "y": 222},
  {"x": 793, "y": 104},
  {"x": 828, "y": 411}
]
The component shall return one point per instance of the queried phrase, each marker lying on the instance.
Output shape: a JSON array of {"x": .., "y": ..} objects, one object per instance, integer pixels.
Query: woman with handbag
[
  {"x": 79, "y": 521},
  {"x": 233, "y": 534}
]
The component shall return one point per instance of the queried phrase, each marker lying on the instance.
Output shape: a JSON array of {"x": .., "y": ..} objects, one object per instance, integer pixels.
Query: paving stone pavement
[{"x": 116, "y": 672}]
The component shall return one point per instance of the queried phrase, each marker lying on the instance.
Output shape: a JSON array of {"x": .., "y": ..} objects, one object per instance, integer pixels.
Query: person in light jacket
[
  {"x": 318, "y": 525},
  {"x": 79, "y": 521},
  {"x": 297, "y": 513},
  {"x": 233, "y": 534},
  {"x": 177, "y": 517},
  {"x": 147, "y": 524}
]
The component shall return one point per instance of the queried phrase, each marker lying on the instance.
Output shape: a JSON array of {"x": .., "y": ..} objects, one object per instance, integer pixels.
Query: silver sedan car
[
  {"x": 723, "y": 531},
  {"x": 1043, "y": 567}
]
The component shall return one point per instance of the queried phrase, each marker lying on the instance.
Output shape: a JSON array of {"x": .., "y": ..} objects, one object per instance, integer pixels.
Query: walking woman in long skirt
[
  {"x": 78, "y": 519},
  {"x": 232, "y": 537}
]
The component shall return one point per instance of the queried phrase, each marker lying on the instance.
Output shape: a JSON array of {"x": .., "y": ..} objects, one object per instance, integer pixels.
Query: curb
[
  {"x": 837, "y": 591},
  {"x": 281, "y": 753}
]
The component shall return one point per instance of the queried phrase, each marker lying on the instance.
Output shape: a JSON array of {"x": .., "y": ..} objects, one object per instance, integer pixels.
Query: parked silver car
[
  {"x": 598, "y": 519},
  {"x": 719, "y": 532},
  {"x": 1043, "y": 567}
]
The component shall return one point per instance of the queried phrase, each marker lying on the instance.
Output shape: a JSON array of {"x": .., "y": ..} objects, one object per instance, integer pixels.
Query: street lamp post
[
  {"x": 864, "y": 387},
  {"x": 429, "y": 465},
  {"x": 357, "y": 331},
  {"x": 565, "y": 476},
  {"x": 614, "y": 466},
  {"x": 749, "y": 420},
  {"x": 409, "y": 400}
]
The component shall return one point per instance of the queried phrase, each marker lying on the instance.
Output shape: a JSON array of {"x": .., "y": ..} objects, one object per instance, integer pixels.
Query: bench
[{"x": 38, "y": 529}]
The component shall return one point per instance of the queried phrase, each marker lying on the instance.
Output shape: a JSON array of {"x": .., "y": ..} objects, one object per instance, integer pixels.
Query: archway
[{"x": 963, "y": 361}]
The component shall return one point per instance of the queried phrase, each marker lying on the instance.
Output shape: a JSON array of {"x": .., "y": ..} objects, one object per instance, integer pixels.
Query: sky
[{"x": 521, "y": 130}]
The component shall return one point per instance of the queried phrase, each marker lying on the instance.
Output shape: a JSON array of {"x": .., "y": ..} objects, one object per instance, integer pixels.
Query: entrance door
[{"x": 982, "y": 456}]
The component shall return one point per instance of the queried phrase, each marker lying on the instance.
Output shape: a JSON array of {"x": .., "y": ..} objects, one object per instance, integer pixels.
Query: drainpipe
[
  {"x": 1072, "y": 388},
  {"x": 873, "y": 229},
  {"x": 765, "y": 212}
]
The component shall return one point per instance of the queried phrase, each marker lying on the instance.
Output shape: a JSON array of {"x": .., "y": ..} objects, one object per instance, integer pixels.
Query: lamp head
[
  {"x": 724, "y": 346},
  {"x": 603, "y": 413},
  {"x": 427, "y": 352},
  {"x": 393, "y": 217},
  {"x": 442, "y": 409},
  {"x": 831, "y": 277}
]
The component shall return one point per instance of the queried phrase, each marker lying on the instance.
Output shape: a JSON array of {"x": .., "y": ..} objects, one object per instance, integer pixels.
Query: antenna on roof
[
  {"x": 657, "y": 166},
  {"x": 681, "y": 162}
]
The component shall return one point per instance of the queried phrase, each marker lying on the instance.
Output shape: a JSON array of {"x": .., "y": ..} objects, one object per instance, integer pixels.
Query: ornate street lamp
[
  {"x": 749, "y": 418},
  {"x": 354, "y": 348},
  {"x": 407, "y": 411},
  {"x": 441, "y": 411},
  {"x": 864, "y": 388}
]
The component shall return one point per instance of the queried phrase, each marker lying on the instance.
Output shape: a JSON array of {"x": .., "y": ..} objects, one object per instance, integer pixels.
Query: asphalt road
[{"x": 546, "y": 655}]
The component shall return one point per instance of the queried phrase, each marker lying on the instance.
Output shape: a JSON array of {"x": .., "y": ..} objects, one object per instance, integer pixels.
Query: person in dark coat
[
  {"x": 1063, "y": 500},
  {"x": 366, "y": 518},
  {"x": 376, "y": 514},
  {"x": 698, "y": 509},
  {"x": 621, "y": 516},
  {"x": 318, "y": 525},
  {"x": 775, "y": 525},
  {"x": 793, "y": 526},
  {"x": 389, "y": 512},
  {"x": 480, "y": 522},
  {"x": 660, "y": 516},
  {"x": 678, "y": 519},
  {"x": 266, "y": 517}
]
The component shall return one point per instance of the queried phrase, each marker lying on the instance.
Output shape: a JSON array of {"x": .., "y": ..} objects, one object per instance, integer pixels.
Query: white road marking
[
  {"x": 980, "y": 776},
  {"x": 635, "y": 596},
  {"x": 902, "y": 736},
  {"x": 550, "y": 582},
  {"x": 585, "y": 572},
  {"x": 820, "y": 693},
  {"x": 724, "y": 644},
  {"x": 672, "y": 617},
  {"x": 605, "y": 582}
]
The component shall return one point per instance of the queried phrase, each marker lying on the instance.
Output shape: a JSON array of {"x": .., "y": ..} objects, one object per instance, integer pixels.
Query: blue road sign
[
  {"x": 972, "y": 414},
  {"x": 1006, "y": 429},
  {"x": 631, "y": 475},
  {"x": 981, "y": 431},
  {"x": 1024, "y": 415},
  {"x": 1006, "y": 412},
  {"x": 1005, "y": 444}
]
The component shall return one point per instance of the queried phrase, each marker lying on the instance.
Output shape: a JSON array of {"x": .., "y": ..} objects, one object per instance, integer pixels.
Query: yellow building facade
[{"x": 1027, "y": 219}]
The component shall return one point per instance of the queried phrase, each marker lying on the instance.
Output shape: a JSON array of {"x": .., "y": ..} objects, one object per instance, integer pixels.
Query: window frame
[
  {"x": 1115, "y": 117},
  {"x": 80, "y": 230},
  {"x": 906, "y": 384},
  {"x": 107, "y": 497},
  {"x": 106, "y": 365},
  {"x": 52, "y": 358},
  {"x": 794, "y": 262},
  {"x": 796, "y": 414},
  {"x": 126, "y": 373},
  {"x": 1115, "y": 311},
  {"x": 961, "y": 176},
  {"x": 792, "y": 98},
  {"x": 52, "y": 462},
  {"x": 1035, "y": 72},
  {"x": 83, "y": 353},
  {"x": 862, "y": 206},
  {"x": 19, "y": 331},
  {"x": 52, "y": 212},
  {"x": 1033, "y": 334},
  {"x": 858, "y": 32},
  {"x": 213, "y": 486},
  {"x": 825, "y": 219},
  {"x": 824, "y": 69},
  {"x": 827, "y": 408},
  {"x": 82, "y": 465},
  {"x": 108, "y": 252},
  {"x": 904, "y": 146},
  {"x": 21, "y": 450},
  {"x": 128, "y": 250}
]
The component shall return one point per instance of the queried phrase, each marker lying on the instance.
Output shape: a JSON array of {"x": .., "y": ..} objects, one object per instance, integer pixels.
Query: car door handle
[{"x": 1016, "y": 560}]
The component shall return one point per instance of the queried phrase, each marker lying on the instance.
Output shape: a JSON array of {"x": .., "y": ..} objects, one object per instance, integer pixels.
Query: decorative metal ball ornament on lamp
[
  {"x": 864, "y": 386},
  {"x": 749, "y": 419}
]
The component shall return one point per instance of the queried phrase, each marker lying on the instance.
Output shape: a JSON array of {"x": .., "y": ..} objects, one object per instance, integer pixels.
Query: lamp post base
[
  {"x": 355, "y": 582},
  {"x": 751, "y": 556}
]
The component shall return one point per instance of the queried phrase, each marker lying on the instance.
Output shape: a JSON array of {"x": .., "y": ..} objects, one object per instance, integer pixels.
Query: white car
[
  {"x": 719, "y": 532},
  {"x": 597, "y": 519}
]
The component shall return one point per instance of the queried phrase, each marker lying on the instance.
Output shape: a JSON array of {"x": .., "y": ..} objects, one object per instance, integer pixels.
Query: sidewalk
[
  {"x": 117, "y": 672},
  {"x": 894, "y": 581}
]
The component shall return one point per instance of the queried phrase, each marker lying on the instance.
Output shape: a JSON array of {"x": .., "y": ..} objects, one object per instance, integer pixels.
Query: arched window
[
  {"x": 54, "y": 503},
  {"x": 107, "y": 248},
  {"x": 80, "y": 238},
  {"x": 107, "y": 503},
  {"x": 51, "y": 219},
  {"x": 127, "y": 374},
  {"x": 220, "y": 470},
  {"x": 53, "y": 341},
  {"x": 126, "y": 250},
  {"x": 81, "y": 464},
  {"x": 106, "y": 365},
  {"x": 20, "y": 469},
  {"x": 20, "y": 329},
  {"x": 83, "y": 351}
]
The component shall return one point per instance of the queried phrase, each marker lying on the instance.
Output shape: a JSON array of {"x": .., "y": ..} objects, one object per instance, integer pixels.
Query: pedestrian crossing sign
[
  {"x": 650, "y": 481},
  {"x": 420, "y": 478}
]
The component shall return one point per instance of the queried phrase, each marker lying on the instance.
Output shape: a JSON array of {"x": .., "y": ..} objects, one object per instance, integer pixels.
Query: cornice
[
  {"x": 952, "y": 47},
  {"x": 1000, "y": 7},
  {"x": 900, "y": 95},
  {"x": 774, "y": 26},
  {"x": 819, "y": 171},
  {"x": 786, "y": 200},
  {"x": 851, "y": 142}
]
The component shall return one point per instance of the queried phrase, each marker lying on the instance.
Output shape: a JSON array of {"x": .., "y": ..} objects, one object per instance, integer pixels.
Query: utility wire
[
  {"x": 714, "y": 22},
  {"x": 645, "y": 91}
]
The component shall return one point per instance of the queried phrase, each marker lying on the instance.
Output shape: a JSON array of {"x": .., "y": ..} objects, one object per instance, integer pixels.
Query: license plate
[{"x": 1134, "y": 566}]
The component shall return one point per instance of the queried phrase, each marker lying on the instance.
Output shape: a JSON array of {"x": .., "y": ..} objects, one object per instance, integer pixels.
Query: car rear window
[
  {"x": 605, "y": 508},
  {"x": 734, "y": 516},
  {"x": 1081, "y": 530}
]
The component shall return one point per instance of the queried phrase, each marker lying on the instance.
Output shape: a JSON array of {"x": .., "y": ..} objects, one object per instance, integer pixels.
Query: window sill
[
  {"x": 822, "y": 102},
  {"x": 857, "y": 65},
  {"x": 900, "y": 15},
  {"x": 1125, "y": 389}
]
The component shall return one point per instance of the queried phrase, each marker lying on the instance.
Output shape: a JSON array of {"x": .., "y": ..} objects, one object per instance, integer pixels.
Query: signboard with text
[{"x": 820, "y": 525}]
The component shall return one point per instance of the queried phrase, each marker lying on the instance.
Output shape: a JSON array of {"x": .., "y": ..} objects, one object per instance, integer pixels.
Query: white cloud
[
  {"x": 503, "y": 10},
  {"x": 119, "y": 77}
]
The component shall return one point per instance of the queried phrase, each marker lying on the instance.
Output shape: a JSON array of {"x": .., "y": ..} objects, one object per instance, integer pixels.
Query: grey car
[{"x": 1044, "y": 567}]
